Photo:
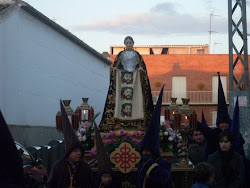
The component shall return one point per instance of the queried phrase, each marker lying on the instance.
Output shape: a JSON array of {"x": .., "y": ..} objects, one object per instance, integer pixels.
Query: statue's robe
[{"x": 121, "y": 109}]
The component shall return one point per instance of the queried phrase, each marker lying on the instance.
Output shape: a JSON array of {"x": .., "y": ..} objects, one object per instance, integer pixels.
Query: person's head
[
  {"x": 146, "y": 155},
  {"x": 129, "y": 43},
  {"x": 204, "y": 173},
  {"x": 197, "y": 136},
  {"x": 75, "y": 152},
  {"x": 106, "y": 178},
  {"x": 223, "y": 125},
  {"x": 75, "y": 155},
  {"x": 226, "y": 141},
  {"x": 146, "y": 152}
]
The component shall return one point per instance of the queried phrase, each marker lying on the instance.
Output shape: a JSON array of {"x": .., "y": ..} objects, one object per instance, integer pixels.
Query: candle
[
  {"x": 84, "y": 115},
  {"x": 186, "y": 121},
  {"x": 70, "y": 119},
  {"x": 172, "y": 116}
]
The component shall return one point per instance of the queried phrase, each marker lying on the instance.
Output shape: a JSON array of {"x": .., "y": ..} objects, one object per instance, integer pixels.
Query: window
[
  {"x": 179, "y": 87},
  {"x": 200, "y": 51},
  {"x": 165, "y": 51}
]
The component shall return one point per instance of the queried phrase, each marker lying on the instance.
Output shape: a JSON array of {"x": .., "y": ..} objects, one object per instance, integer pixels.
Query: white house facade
[{"x": 41, "y": 63}]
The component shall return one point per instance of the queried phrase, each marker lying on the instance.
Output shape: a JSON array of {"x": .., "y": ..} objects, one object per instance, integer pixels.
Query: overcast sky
[{"x": 102, "y": 23}]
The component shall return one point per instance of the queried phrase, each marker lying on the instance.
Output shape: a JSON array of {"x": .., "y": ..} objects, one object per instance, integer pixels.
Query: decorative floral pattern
[
  {"x": 125, "y": 157},
  {"x": 171, "y": 141},
  {"x": 113, "y": 140}
]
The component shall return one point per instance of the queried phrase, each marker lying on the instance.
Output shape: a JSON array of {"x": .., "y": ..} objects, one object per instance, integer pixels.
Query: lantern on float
[
  {"x": 75, "y": 119},
  {"x": 187, "y": 116},
  {"x": 86, "y": 112},
  {"x": 170, "y": 112},
  {"x": 69, "y": 113}
]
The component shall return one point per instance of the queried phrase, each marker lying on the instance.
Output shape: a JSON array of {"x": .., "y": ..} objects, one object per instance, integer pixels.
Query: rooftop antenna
[{"x": 210, "y": 29}]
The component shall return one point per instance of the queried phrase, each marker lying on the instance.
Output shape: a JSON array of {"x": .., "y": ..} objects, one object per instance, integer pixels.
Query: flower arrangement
[
  {"x": 170, "y": 140},
  {"x": 84, "y": 135},
  {"x": 113, "y": 140}
]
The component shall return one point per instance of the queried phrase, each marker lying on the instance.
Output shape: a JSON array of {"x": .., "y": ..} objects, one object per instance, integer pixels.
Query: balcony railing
[{"x": 196, "y": 97}]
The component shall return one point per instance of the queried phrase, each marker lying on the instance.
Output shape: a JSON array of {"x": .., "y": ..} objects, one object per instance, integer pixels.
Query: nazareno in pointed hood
[
  {"x": 11, "y": 163},
  {"x": 222, "y": 112},
  {"x": 235, "y": 129},
  {"x": 203, "y": 120},
  {"x": 151, "y": 140},
  {"x": 70, "y": 139},
  {"x": 103, "y": 161}
]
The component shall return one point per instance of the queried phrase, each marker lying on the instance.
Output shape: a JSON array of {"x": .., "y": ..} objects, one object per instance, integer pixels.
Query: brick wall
[{"x": 196, "y": 68}]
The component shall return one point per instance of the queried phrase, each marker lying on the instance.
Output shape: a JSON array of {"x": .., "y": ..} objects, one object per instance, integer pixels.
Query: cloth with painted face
[{"x": 129, "y": 88}]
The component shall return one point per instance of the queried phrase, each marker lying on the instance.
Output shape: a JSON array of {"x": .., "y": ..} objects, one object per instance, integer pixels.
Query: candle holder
[
  {"x": 75, "y": 119},
  {"x": 170, "y": 112},
  {"x": 185, "y": 125},
  {"x": 85, "y": 111},
  {"x": 69, "y": 113}
]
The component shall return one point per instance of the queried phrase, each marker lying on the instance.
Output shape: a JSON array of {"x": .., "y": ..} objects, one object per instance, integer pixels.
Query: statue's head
[{"x": 129, "y": 43}]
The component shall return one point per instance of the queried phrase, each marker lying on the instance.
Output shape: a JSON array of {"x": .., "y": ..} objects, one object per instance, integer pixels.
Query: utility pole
[{"x": 239, "y": 80}]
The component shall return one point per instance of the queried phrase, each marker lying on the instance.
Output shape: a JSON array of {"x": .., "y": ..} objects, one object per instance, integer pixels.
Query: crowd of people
[{"x": 221, "y": 162}]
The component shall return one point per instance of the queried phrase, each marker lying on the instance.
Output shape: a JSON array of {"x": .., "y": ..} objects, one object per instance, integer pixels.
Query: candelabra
[{"x": 187, "y": 122}]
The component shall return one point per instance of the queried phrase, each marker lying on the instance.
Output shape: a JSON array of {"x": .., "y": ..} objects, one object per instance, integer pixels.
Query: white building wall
[{"x": 39, "y": 67}]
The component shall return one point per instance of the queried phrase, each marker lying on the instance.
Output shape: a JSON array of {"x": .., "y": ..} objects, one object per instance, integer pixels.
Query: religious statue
[{"x": 129, "y": 102}]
